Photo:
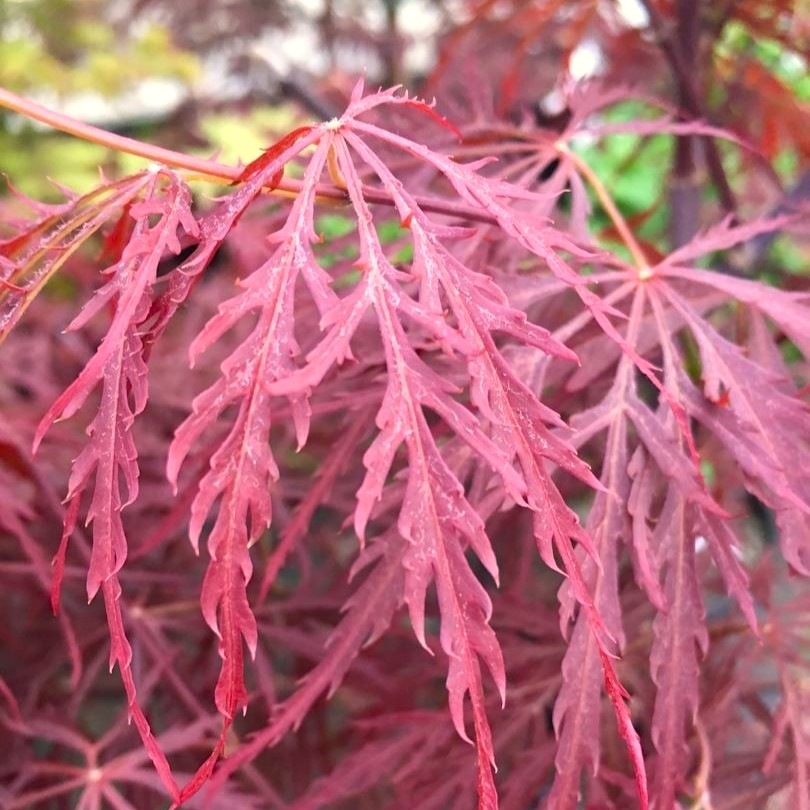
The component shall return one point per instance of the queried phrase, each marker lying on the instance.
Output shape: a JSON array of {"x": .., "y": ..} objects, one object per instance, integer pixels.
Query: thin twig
[
  {"x": 211, "y": 169},
  {"x": 619, "y": 222}
]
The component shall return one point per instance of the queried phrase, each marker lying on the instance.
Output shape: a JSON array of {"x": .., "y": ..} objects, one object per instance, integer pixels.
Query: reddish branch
[{"x": 210, "y": 168}]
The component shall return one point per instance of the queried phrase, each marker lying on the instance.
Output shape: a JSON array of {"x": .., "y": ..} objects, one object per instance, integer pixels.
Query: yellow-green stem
[{"x": 619, "y": 222}]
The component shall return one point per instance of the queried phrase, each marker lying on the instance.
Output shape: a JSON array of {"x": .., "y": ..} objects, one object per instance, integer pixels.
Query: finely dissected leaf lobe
[{"x": 449, "y": 433}]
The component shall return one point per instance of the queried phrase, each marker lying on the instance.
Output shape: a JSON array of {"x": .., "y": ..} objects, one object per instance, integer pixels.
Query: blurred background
[
  {"x": 200, "y": 74},
  {"x": 229, "y": 76}
]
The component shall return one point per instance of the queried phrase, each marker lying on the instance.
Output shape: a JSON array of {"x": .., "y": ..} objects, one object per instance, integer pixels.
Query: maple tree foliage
[{"x": 471, "y": 440}]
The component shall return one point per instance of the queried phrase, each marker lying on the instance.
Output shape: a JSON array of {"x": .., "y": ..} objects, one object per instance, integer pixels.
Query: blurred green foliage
[
  {"x": 69, "y": 46},
  {"x": 54, "y": 49},
  {"x": 634, "y": 169},
  {"x": 787, "y": 66},
  {"x": 63, "y": 49}
]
